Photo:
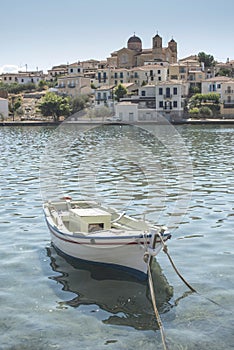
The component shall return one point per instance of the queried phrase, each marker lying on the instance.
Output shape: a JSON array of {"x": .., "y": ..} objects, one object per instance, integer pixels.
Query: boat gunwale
[{"x": 89, "y": 240}]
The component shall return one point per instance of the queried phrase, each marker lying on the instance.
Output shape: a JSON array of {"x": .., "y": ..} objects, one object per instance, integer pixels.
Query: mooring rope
[
  {"x": 153, "y": 298},
  {"x": 148, "y": 258},
  {"x": 165, "y": 250}
]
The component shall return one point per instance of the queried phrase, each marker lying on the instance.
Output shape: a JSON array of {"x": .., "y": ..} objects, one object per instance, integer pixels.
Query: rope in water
[
  {"x": 153, "y": 298},
  {"x": 165, "y": 250},
  {"x": 148, "y": 258}
]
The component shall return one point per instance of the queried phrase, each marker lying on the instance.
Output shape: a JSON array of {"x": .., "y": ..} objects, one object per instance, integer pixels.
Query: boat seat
[{"x": 57, "y": 218}]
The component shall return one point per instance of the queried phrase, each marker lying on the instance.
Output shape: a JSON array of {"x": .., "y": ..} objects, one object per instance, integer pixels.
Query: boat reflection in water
[{"x": 126, "y": 299}]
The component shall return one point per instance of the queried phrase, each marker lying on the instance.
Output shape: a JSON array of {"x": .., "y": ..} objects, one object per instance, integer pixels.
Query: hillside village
[{"x": 154, "y": 82}]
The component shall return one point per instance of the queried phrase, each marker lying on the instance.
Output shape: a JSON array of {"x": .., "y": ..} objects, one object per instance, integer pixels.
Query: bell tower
[
  {"x": 157, "y": 48},
  {"x": 172, "y": 45}
]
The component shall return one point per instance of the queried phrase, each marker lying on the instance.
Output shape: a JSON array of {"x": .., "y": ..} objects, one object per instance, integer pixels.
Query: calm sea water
[{"x": 184, "y": 180}]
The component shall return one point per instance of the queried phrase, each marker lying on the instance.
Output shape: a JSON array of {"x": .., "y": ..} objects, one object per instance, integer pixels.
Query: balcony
[
  {"x": 229, "y": 91},
  {"x": 147, "y": 98},
  {"x": 71, "y": 86},
  {"x": 167, "y": 96}
]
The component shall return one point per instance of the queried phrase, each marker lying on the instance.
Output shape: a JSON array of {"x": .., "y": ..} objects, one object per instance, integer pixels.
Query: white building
[
  {"x": 165, "y": 98},
  {"x": 104, "y": 96},
  {"x": 3, "y": 109},
  {"x": 23, "y": 77},
  {"x": 170, "y": 97},
  {"x": 126, "y": 112}
]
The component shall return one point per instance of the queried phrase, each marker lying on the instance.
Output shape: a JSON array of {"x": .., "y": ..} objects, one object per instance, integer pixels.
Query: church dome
[
  {"x": 134, "y": 43},
  {"x": 134, "y": 39}
]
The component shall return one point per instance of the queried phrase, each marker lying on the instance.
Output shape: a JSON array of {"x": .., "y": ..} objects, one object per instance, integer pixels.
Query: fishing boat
[{"x": 89, "y": 231}]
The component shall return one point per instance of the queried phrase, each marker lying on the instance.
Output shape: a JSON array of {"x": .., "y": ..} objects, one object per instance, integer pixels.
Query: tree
[
  {"x": 15, "y": 104},
  {"x": 120, "y": 91},
  {"x": 78, "y": 103},
  {"x": 226, "y": 72},
  {"x": 42, "y": 85},
  {"x": 204, "y": 104},
  {"x": 54, "y": 105},
  {"x": 207, "y": 59}
]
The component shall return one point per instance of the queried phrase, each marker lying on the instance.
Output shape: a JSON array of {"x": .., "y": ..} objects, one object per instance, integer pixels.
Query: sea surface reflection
[{"x": 125, "y": 300}]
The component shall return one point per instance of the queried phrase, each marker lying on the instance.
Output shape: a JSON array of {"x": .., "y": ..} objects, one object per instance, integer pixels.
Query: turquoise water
[{"x": 186, "y": 183}]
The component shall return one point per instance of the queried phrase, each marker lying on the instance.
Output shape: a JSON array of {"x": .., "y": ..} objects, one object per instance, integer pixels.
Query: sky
[{"x": 39, "y": 34}]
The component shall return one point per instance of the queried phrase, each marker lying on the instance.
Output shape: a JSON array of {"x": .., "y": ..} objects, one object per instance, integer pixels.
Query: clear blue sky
[{"x": 44, "y": 33}]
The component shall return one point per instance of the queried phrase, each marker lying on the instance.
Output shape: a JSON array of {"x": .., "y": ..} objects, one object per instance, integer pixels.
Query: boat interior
[{"x": 89, "y": 217}]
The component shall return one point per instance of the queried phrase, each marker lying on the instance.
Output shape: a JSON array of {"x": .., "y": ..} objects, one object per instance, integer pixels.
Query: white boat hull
[{"x": 122, "y": 253}]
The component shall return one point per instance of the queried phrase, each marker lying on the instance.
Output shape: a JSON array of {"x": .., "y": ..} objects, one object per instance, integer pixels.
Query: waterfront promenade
[{"x": 105, "y": 121}]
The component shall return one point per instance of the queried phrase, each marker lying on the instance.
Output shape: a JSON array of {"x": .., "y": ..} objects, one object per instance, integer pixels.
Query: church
[{"x": 134, "y": 55}]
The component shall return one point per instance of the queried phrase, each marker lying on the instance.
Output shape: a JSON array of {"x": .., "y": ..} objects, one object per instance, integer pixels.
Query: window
[
  {"x": 131, "y": 117},
  {"x": 168, "y": 92},
  {"x": 175, "y": 90},
  {"x": 121, "y": 75},
  {"x": 99, "y": 96},
  {"x": 71, "y": 70},
  {"x": 104, "y": 95},
  {"x": 151, "y": 73},
  {"x": 212, "y": 87},
  {"x": 160, "y": 104},
  {"x": 116, "y": 75},
  {"x": 175, "y": 104},
  {"x": 159, "y": 71},
  {"x": 218, "y": 86},
  {"x": 143, "y": 93},
  {"x": 78, "y": 70},
  {"x": 159, "y": 78},
  {"x": 160, "y": 91}
]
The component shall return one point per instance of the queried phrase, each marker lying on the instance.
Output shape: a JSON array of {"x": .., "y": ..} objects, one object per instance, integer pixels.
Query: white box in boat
[{"x": 92, "y": 219}]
